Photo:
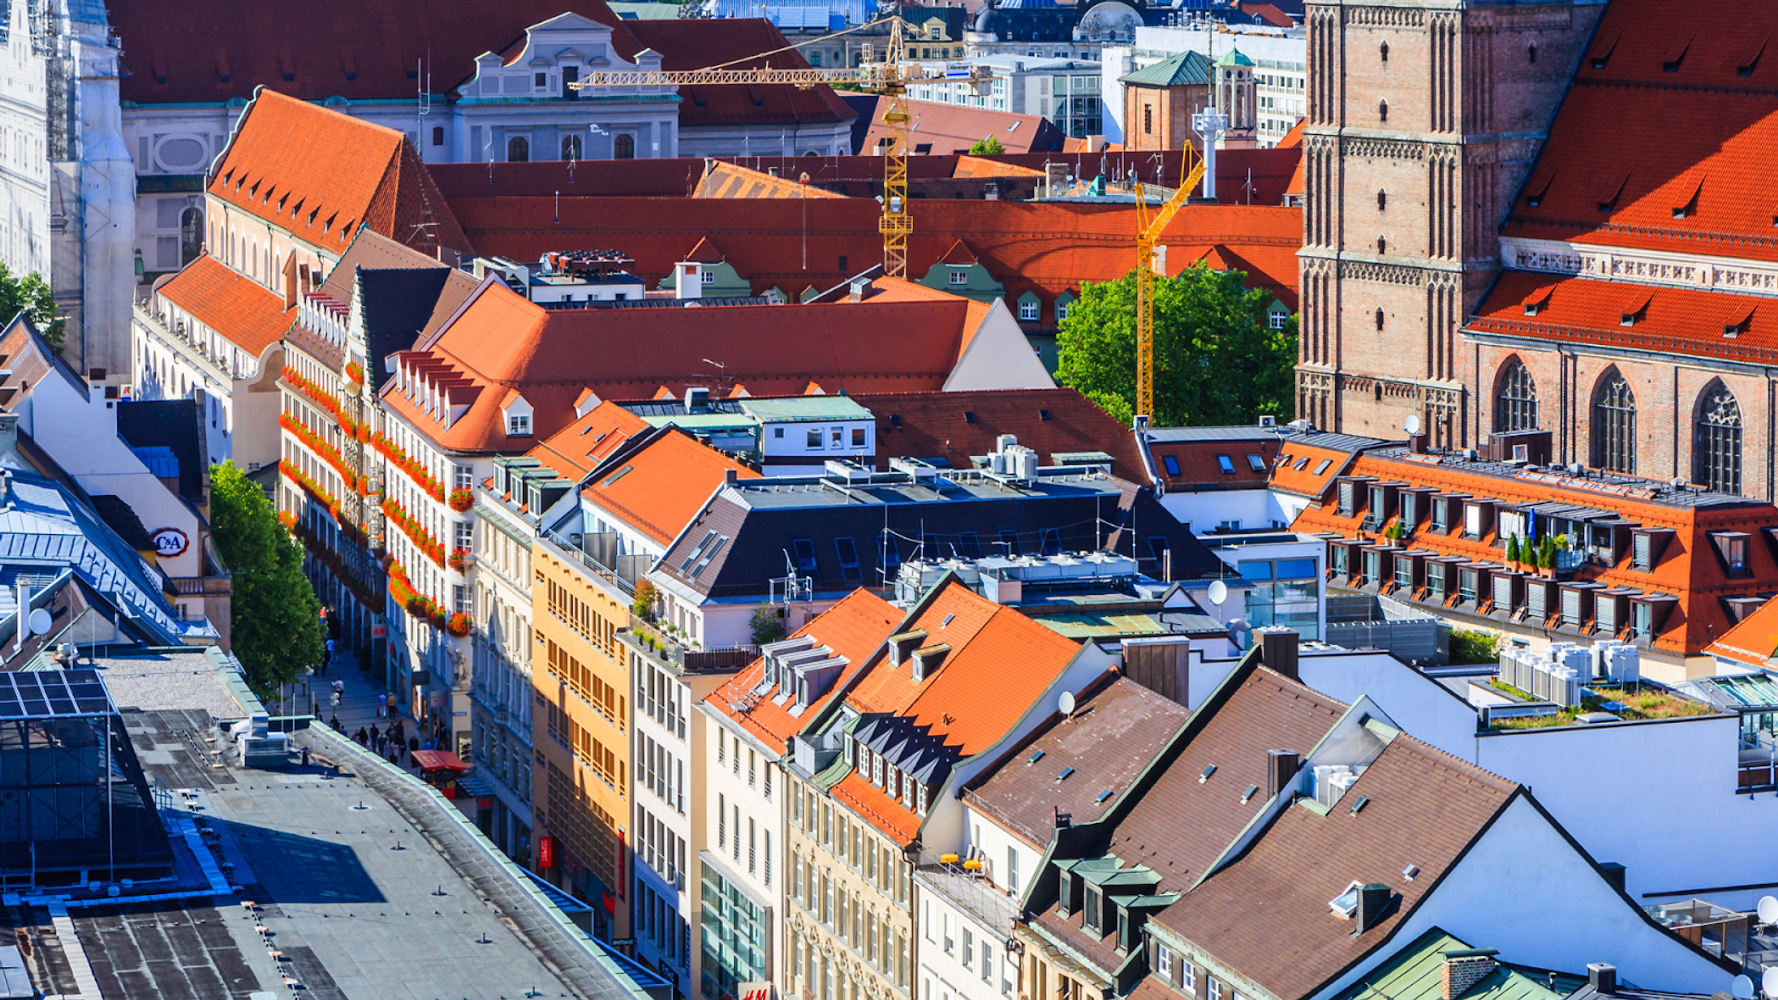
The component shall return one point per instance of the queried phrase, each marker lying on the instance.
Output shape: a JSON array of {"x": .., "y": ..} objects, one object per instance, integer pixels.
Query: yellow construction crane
[
  {"x": 889, "y": 77},
  {"x": 1148, "y": 235}
]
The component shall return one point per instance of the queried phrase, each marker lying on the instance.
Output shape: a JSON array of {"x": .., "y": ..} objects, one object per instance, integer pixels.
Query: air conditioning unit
[{"x": 1268, "y": 422}]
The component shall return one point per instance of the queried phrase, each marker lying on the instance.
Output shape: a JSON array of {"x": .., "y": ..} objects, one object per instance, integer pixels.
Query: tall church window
[
  {"x": 191, "y": 235},
  {"x": 1716, "y": 436},
  {"x": 1383, "y": 50},
  {"x": 1515, "y": 408},
  {"x": 518, "y": 149},
  {"x": 1379, "y": 320},
  {"x": 1614, "y": 425}
]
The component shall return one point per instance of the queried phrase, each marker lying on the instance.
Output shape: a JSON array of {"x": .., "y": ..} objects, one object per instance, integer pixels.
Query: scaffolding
[{"x": 74, "y": 805}]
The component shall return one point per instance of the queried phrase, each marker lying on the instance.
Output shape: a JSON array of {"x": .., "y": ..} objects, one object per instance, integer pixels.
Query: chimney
[
  {"x": 1614, "y": 874},
  {"x": 1417, "y": 444},
  {"x": 690, "y": 281},
  {"x": 729, "y": 477},
  {"x": 1463, "y": 968},
  {"x": 859, "y": 287},
  {"x": 1373, "y": 899},
  {"x": 1602, "y": 977},
  {"x": 1278, "y": 649},
  {"x": 1281, "y": 766}
]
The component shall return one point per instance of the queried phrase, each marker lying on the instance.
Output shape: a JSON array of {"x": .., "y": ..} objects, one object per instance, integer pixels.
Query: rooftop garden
[{"x": 1631, "y": 703}]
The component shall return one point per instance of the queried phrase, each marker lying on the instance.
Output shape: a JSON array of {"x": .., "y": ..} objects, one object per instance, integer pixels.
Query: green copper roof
[
  {"x": 1184, "y": 69},
  {"x": 1233, "y": 57},
  {"x": 1414, "y": 974}
]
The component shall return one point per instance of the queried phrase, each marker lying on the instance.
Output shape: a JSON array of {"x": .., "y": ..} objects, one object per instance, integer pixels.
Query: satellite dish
[
  {"x": 1219, "y": 592},
  {"x": 1768, "y": 910},
  {"x": 1769, "y": 981},
  {"x": 1065, "y": 705},
  {"x": 1742, "y": 988},
  {"x": 1413, "y": 424},
  {"x": 41, "y": 621}
]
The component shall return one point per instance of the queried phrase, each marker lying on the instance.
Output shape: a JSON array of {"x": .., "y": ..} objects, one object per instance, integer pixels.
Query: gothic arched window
[
  {"x": 1614, "y": 425},
  {"x": 571, "y": 147},
  {"x": 191, "y": 235},
  {"x": 518, "y": 149},
  {"x": 1515, "y": 405},
  {"x": 624, "y": 147},
  {"x": 1716, "y": 436}
]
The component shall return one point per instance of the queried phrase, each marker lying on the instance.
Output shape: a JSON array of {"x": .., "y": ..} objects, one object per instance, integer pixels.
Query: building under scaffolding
[{"x": 74, "y": 805}]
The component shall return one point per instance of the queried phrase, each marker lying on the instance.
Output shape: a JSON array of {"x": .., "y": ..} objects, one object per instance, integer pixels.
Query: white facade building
[
  {"x": 1280, "y": 70},
  {"x": 500, "y": 671},
  {"x": 1066, "y": 91}
]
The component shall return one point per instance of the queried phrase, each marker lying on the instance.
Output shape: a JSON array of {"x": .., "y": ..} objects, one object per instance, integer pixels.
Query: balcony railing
[
  {"x": 969, "y": 891},
  {"x": 196, "y": 586},
  {"x": 681, "y": 654}
]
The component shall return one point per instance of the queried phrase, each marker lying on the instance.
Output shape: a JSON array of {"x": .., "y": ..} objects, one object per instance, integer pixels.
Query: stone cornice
[{"x": 1699, "y": 272}]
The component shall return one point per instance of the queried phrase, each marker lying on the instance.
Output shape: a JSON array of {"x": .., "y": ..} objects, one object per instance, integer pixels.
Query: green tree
[
  {"x": 991, "y": 146},
  {"x": 767, "y": 625},
  {"x": 31, "y": 295},
  {"x": 1216, "y": 361},
  {"x": 275, "y": 619}
]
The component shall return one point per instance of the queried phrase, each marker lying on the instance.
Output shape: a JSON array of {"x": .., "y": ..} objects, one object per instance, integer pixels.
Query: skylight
[
  {"x": 1208, "y": 771},
  {"x": 620, "y": 474},
  {"x": 1102, "y": 796},
  {"x": 1034, "y": 758},
  {"x": 1066, "y": 771}
]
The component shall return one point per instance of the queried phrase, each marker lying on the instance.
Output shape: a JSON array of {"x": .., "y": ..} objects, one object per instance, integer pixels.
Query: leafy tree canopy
[
  {"x": 990, "y": 146},
  {"x": 275, "y": 619},
  {"x": 1217, "y": 360},
  {"x": 30, "y": 294}
]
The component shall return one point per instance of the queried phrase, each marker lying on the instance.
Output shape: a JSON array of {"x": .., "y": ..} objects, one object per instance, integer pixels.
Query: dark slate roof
[
  {"x": 397, "y": 305},
  {"x": 1117, "y": 728},
  {"x": 764, "y": 518},
  {"x": 176, "y": 424},
  {"x": 118, "y": 516}
]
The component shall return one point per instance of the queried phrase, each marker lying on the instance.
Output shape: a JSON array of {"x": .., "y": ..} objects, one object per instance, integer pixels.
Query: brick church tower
[{"x": 1424, "y": 117}]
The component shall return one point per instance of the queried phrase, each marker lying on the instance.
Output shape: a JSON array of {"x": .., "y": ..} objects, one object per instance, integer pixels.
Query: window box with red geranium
[
  {"x": 459, "y": 625},
  {"x": 462, "y": 500},
  {"x": 459, "y": 559},
  {"x": 355, "y": 372}
]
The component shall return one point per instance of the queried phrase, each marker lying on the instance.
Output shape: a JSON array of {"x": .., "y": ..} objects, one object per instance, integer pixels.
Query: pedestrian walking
[
  {"x": 305, "y": 756},
  {"x": 339, "y": 686},
  {"x": 336, "y": 723},
  {"x": 382, "y": 705}
]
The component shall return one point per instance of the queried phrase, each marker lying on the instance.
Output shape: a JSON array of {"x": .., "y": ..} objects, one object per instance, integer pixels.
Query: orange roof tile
[
  {"x": 952, "y": 128},
  {"x": 999, "y": 662},
  {"x": 660, "y": 487},
  {"x": 876, "y": 807},
  {"x": 1307, "y": 470},
  {"x": 578, "y": 448},
  {"x": 728, "y": 180},
  {"x": 321, "y": 174},
  {"x": 1612, "y": 173},
  {"x": 1667, "y": 320},
  {"x": 245, "y": 312},
  {"x": 854, "y": 628},
  {"x": 1753, "y": 641},
  {"x": 893, "y": 342},
  {"x": 983, "y": 166},
  {"x": 1688, "y": 569}
]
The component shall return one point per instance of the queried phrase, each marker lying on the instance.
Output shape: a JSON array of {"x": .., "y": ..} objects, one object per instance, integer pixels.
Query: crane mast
[
  {"x": 889, "y": 78},
  {"x": 1148, "y": 235}
]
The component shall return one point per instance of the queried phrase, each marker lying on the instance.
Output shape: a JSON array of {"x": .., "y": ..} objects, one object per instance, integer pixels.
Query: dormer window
[
  {"x": 1091, "y": 918},
  {"x": 518, "y": 425},
  {"x": 876, "y": 770},
  {"x": 920, "y": 798}
]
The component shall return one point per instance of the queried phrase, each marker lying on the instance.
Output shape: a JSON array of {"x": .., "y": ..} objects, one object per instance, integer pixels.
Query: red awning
[{"x": 438, "y": 760}]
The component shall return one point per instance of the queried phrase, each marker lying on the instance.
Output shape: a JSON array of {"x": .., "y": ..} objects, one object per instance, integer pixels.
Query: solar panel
[{"x": 53, "y": 693}]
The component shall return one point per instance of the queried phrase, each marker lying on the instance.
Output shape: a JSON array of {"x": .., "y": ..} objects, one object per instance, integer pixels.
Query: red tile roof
[
  {"x": 1200, "y": 463},
  {"x": 728, "y": 180},
  {"x": 321, "y": 174},
  {"x": 957, "y": 425},
  {"x": 362, "y": 50},
  {"x": 791, "y": 244},
  {"x": 950, "y": 128},
  {"x": 1613, "y": 173},
  {"x": 1308, "y": 470},
  {"x": 999, "y": 662},
  {"x": 855, "y": 628},
  {"x": 578, "y": 448},
  {"x": 1689, "y": 568},
  {"x": 1668, "y": 320},
  {"x": 739, "y": 43},
  {"x": 250, "y": 315},
  {"x": 662, "y": 485},
  {"x": 1753, "y": 641},
  {"x": 500, "y": 343}
]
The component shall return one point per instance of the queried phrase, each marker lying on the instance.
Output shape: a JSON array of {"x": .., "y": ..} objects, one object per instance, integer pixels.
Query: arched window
[
  {"x": 1383, "y": 50},
  {"x": 518, "y": 149},
  {"x": 191, "y": 235},
  {"x": 571, "y": 147},
  {"x": 1531, "y": 54},
  {"x": 1515, "y": 406},
  {"x": 1379, "y": 320},
  {"x": 1382, "y": 200},
  {"x": 624, "y": 147},
  {"x": 438, "y": 135},
  {"x": 1716, "y": 437},
  {"x": 1383, "y": 111},
  {"x": 1382, "y": 245},
  {"x": 1614, "y": 425}
]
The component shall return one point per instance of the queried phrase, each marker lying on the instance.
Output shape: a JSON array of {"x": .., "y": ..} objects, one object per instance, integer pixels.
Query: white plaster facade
[
  {"x": 500, "y": 670},
  {"x": 175, "y": 356},
  {"x": 743, "y": 821}
]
